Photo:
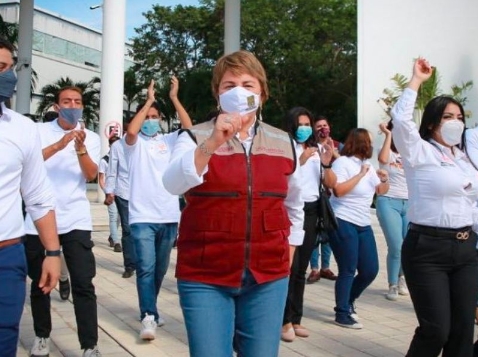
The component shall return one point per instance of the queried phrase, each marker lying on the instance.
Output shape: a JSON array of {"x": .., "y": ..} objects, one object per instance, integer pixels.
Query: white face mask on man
[
  {"x": 451, "y": 131},
  {"x": 239, "y": 100}
]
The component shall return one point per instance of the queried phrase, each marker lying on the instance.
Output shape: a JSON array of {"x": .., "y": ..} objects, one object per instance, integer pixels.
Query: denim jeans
[
  {"x": 77, "y": 249},
  {"x": 113, "y": 222},
  {"x": 392, "y": 216},
  {"x": 13, "y": 274},
  {"x": 355, "y": 251},
  {"x": 153, "y": 243},
  {"x": 129, "y": 251},
  {"x": 325, "y": 253},
  {"x": 247, "y": 317}
]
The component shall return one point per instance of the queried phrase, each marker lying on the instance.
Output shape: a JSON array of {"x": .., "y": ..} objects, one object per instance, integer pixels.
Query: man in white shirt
[
  {"x": 22, "y": 174},
  {"x": 117, "y": 192},
  {"x": 71, "y": 155},
  {"x": 113, "y": 239},
  {"x": 153, "y": 211}
]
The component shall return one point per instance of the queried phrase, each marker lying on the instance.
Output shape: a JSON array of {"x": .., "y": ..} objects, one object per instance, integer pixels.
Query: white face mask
[
  {"x": 451, "y": 131},
  {"x": 239, "y": 100}
]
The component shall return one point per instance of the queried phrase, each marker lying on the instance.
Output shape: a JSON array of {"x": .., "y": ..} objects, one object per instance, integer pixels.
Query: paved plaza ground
[{"x": 388, "y": 326}]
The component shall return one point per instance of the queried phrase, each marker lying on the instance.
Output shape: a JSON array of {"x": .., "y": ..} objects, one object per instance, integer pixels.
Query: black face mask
[{"x": 8, "y": 81}]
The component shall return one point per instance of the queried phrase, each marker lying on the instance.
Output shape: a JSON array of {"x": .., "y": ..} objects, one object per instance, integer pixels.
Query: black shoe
[
  {"x": 117, "y": 248},
  {"x": 65, "y": 289},
  {"x": 128, "y": 273},
  {"x": 111, "y": 242}
]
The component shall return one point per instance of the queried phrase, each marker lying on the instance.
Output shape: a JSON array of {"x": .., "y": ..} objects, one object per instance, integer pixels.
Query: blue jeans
[
  {"x": 219, "y": 317},
  {"x": 13, "y": 275},
  {"x": 355, "y": 251},
  {"x": 392, "y": 216},
  {"x": 153, "y": 243},
  {"x": 113, "y": 222},
  {"x": 129, "y": 251},
  {"x": 325, "y": 252}
]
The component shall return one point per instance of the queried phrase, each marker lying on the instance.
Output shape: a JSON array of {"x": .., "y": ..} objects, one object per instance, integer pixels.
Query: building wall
[
  {"x": 61, "y": 48},
  {"x": 391, "y": 33}
]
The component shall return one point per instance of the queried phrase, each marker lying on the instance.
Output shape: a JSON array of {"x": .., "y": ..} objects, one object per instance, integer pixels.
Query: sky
[{"x": 79, "y": 11}]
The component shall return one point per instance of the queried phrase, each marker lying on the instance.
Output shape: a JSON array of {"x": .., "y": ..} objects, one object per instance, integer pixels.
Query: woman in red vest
[{"x": 243, "y": 217}]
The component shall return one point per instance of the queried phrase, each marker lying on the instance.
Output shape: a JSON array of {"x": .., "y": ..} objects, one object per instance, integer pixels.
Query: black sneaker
[
  {"x": 128, "y": 273},
  {"x": 111, "y": 242},
  {"x": 348, "y": 322},
  {"x": 117, "y": 248},
  {"x": 64, "y": 289}
]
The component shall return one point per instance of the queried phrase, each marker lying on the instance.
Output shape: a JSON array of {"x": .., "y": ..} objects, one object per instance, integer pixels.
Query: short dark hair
[
  {"x": 291, "y": 123},
  {"x": 321, "y": 117},
  {"x": 433, "y": 113},
  {"x": 155, "y": 105},
  {"x": 4, "y": 43},
  {"x": 358, "y": 143},
  {"x": 50, "y": 116}
]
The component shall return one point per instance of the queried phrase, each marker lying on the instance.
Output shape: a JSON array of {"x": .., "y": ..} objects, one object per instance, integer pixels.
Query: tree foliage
[
  {"x": 91, "y": 98},
  {"x": 308, "y": 48},
  {"x": 428, "y": 90}
]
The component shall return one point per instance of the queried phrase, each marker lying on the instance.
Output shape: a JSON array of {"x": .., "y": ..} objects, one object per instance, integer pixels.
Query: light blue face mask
[
  {"x": 303, "y": 133},
  {"x": 8, "y": 81},
  {"x": 71, "y": 115},
  {"x": 150, "y": 127}
]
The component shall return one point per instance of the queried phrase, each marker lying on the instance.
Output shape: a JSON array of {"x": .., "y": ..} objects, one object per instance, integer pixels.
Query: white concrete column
[
  {"x": 232, "y": 26},
  {"x": 112, "y": 73},
  {"x": 24, "y": 64}
]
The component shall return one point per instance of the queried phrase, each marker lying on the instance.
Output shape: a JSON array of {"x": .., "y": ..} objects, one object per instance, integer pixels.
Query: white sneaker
[
  {"x": 160, "y": 322},
  {"x": 402, "y": 286},
  {"x": 41, "y": 347},
  {"x": 392, "y": 294},
  {"x": 92, "y": 352},
  {"x": 148, "y": 328}
]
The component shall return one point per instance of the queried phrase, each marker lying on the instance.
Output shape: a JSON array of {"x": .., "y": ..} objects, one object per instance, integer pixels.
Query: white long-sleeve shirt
[
  {"x": 22, "y": 174},
  {"x": 181, "y": 176},
  {"x": 117, "y": 174},
  {"x": 442, "y": 187}
]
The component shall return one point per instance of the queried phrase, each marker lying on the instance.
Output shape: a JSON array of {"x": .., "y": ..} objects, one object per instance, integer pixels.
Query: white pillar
[
  {"x": 112, "y": 70},
  {"x": 24, "y": 64},
  {"x": 232, "y": 26}
]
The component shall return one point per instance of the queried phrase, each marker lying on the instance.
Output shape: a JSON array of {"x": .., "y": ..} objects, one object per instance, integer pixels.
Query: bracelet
[
  {"x": 329, "y": 166},
  {"x": 81, "y": 152},
  {"x": 52, "y": 253},
  {"x": 204, "y": 149}
]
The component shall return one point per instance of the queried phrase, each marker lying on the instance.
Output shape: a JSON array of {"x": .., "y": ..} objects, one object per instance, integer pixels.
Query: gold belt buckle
[{"x": 462, "y": 235}]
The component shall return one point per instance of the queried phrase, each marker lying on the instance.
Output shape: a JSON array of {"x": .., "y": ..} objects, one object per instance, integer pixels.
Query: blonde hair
[{"x": 240, "y": 62}]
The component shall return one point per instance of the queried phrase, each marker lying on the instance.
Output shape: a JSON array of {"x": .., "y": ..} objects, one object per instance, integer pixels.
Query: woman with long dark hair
[
  {"x": 439, "y": 252},
  {"x": 298, "y": 123}
]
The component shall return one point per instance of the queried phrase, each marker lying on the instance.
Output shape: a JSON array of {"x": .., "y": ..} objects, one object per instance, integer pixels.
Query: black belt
[{"x": 455, "y": 233}]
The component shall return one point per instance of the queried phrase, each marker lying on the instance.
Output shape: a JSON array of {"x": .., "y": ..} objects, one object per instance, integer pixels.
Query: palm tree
[
  {"x": 91, "y": 98},
  {"x": 132, "y": 90}
]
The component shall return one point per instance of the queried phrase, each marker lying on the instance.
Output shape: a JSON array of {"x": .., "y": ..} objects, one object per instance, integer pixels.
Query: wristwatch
[
  {"x": 329, "y": 166},
  {"x": 52, "y": 253},
  {"x": 81, "y": 152}
]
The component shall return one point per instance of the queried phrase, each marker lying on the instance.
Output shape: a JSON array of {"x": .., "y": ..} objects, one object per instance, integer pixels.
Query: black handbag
[{"x": 327, "y": 221}]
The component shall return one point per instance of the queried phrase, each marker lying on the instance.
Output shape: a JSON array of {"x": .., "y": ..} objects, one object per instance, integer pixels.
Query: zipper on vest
[
  {"x": 273, "y": 194},
  {"x": 249, "y": 206},
  {"x": 214, "y": 194}
]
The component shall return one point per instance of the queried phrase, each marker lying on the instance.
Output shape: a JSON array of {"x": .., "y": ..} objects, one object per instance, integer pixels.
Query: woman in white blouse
[
  {"x": 353, "y": 243},
  {"x": 438, "y": 254},
  {"x": 392, "y": 210}
]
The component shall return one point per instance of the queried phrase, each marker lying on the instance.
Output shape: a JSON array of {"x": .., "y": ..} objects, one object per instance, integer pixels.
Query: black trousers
[
  {"x": 295, "y": 296},
  {"x": 77, "y": 249},
  {"x": 442, "y": 276}
]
